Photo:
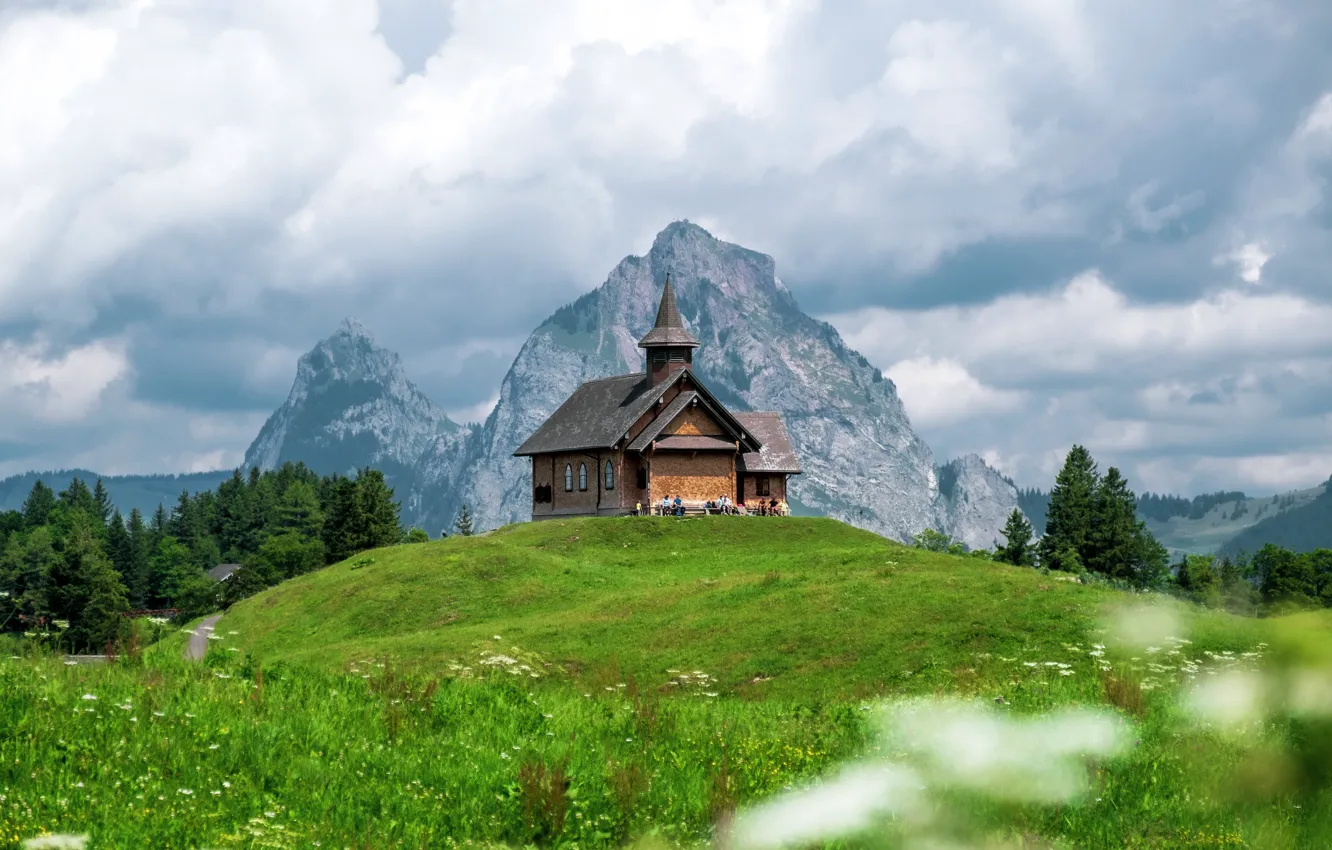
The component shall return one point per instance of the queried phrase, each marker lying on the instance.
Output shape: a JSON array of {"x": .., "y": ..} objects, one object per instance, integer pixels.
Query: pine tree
[
  {"x": 26, "y": 565},
  {"x": 1017, "y": 548},
  {"x": 157, "y": 526},
  {"x": 77, "y": 497},
  {"x": 464, "y": 522},
  {"x": 342, "y": 520},
  {"x": 298, "y": 511},
  {"x": 378, "y": 510},
  {"x": 170, "y": 568},
  {"x": 84, "y": 588},
  {"x": 102, "y": 499},
  {"x": 1112, "y": 542},
  {"x": 119, "y": 548},
  {"x": 1069, "y": 518},
  {"x": 39, "y": 505},
  {"x": 138, "y": 580},
  {"x": 101, "y": 623}
]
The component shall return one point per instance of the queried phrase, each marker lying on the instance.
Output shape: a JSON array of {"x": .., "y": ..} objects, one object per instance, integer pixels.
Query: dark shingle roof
[
  {"x": 777, "y": 453},
  {"x": 597, "y": 415},
  {"x": 696, "y": 443},
  {"x": 222, "y": 572},
  {"x": 656, "y": 426},
  {"x": 669, "y": 328}
]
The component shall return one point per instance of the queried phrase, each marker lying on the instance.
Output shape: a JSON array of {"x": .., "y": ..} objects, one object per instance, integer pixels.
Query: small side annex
[{"x": 634, "y": 439}]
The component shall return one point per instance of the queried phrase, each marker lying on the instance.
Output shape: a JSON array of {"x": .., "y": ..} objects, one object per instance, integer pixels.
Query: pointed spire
[{"x": 669, "y": 328}]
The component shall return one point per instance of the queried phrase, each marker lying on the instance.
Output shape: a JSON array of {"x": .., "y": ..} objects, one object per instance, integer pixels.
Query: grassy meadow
[{"x": 680, "y": 683}]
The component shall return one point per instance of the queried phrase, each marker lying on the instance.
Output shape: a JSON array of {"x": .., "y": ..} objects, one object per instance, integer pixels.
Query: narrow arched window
[
  {"x": 568, "y": 478},
  {"x": 582, "y": 476},
  {"x": 610, "y": 476}
]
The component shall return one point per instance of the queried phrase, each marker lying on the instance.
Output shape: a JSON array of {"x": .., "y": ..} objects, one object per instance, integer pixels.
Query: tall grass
[{"x": 1154, "y": 746}]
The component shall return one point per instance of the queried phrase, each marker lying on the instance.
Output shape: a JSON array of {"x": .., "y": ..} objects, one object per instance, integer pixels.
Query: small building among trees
[{"x": 635, "y": 439}]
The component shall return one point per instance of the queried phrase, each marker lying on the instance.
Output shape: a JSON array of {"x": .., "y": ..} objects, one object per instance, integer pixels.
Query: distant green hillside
[
  {"x": 793, "y": 608},
  {"x": 144, "y": 492},
  {"x": 1304, "y": 528},
  {"x": 1209, "y": 523}
]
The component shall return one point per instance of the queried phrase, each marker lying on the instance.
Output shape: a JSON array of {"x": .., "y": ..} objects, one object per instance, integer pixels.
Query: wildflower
[
  {"x": 226, "y": 784},
  {"x": 159, "y": 714},
  {"x": 89, "y": 696},
  {"x": 212, "y": 746},
  {"x": 56, "y": 842},
  {"x": 186, "y": 791}
]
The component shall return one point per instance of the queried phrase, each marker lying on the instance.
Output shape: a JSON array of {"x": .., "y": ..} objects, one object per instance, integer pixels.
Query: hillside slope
[
  {"x": 1302, "y": 528},
  {"x": 796, "y": 607}
]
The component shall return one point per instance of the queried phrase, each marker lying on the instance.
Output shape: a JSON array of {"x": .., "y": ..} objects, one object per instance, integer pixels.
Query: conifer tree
[
  {"x": 343, "y": 520},
  {"x": 39, "y": 505},
  {"x": 138, "y": 581},
  {"x": 1017, "y": 548},
  {"x": 102, "y": 500},
  {"x": 1112, "y": 545},
  {"x": 84, "y": 588},
  {"x": 378, "y": 510},
  {"x": 26, "y": 564},
  {"x": 464, "y": 522},
  {"x": 77, "y": 497},
  {"x": 157, "y": 526},
  {"x": 119, "y": 548},
  {"x": 1069, "y": 518}
]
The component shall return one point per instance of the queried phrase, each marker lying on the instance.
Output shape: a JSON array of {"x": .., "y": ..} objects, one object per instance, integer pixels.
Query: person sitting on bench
[{"x": 679, "y": 506}]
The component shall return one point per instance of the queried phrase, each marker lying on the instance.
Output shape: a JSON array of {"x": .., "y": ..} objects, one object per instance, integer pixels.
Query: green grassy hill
[{"x": 793, "y": 608}]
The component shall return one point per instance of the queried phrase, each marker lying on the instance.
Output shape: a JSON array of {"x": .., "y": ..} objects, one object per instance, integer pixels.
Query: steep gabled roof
[
  {"x": 222, "y": 572},
  {"x": 669, "y": 328},
  {"x": 597, "y": 415},
  {"x": 667, "y": 415},
  {"x": 777, "y": 454}
]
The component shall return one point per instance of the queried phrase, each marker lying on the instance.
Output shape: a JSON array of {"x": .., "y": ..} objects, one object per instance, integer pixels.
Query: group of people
[{"x": 723, "y": 504}]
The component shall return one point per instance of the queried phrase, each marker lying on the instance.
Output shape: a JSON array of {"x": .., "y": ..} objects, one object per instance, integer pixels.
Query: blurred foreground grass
[{"x": 1142, "y": 743}]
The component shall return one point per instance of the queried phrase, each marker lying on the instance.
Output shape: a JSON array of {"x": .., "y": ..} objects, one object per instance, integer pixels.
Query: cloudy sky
[{"x": 1049, "y": 221}]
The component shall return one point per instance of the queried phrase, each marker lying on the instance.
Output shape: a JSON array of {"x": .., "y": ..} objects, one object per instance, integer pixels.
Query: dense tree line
[
  {"x": 70, "y": 562},
  {"x": 1092, "y": 526}
]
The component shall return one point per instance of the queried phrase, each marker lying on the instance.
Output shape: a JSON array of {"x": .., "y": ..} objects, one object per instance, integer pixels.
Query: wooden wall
[
  {"x": 776, "y": 487},
  {"x": 702, "y": 477}
]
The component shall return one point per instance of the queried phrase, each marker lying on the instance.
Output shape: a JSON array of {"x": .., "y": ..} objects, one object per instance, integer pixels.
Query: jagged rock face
[
  {"x": 977, "y": 500},
  {"x": 352, "y": 406},
  {"x": 863, "y": 463}
]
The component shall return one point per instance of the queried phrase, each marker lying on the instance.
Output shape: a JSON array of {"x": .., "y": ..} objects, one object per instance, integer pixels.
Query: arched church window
[
  {"x": 610, "y": 476},
  {"x": 568, "y": 478},
  {"x": 582, "y": 476}
]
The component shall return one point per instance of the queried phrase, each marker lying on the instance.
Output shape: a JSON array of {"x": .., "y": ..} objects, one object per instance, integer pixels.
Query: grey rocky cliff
[
  {"x": 351, "y": 406},
  {"x": 863, "y": 462},
  {"x": 976, "y": 501}
]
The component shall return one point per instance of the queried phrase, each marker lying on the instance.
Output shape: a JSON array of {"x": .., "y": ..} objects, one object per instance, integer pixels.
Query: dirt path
[{"x": 198, "y": 646}]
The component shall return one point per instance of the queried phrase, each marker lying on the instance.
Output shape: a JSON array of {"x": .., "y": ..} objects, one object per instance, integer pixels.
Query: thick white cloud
[
  {"x": 51, "y": 388},
  {"x": 453, "y": 170},
  {"x": 1174, "y": 393},
  {"x": 943, "y": 392}
]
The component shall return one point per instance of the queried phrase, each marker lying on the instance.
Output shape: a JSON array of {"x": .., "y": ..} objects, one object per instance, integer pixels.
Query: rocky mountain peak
[
  {"x": 352, "y": 327},
  {"x": 863, "y": 462},
  {"x": 351, "y": 405}
]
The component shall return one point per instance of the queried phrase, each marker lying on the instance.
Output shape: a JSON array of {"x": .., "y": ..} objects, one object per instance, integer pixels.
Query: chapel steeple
[{"x": 669, "y": 347}]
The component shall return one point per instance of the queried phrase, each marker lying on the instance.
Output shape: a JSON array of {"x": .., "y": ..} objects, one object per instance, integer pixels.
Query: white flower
[
  {"x": 56, "y": 842},
  {"x": 89, "y": 696},
  {"x": 187, "y": 792}
]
